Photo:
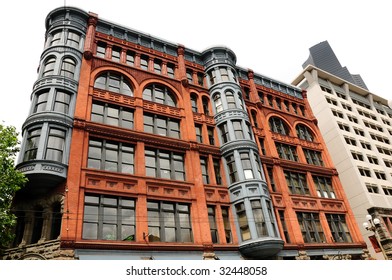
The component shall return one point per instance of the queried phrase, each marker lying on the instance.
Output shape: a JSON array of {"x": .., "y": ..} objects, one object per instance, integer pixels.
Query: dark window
[
  {"x": 116, "y": 53},
  {"x": 285, "y": 151},
  {"x": 55, "y": 221},
  {"x": 303, "y": 132},
  {"x": 212, "y": 222},
  {"x": 162, "y": 125},
  {"x": 224, "y": 132},
  {"x": 112, "y": 115},
  {"x": 109, "y": 218},
  {"x": 62, "y": 101},
  {"x": 211, "y": 137},
  {"x": 297, "y": 183},
  {"x": 159, "y": 94},
  {"x": 204, "y": 170},
  {"x": 113, "y": 82},
  {"x": 49, "y": 67},
  {"x": 38, "y": 222},
  {"x": 130, "y": 58},
  {"x": 258, "y": 217},
  {"x": 284, "y": 226},
  {"x": 55, "y": 145},
  {"x": 312, "y": 231},
  {"x": 324, "y": 187},
  {"x": 111, "y": 156},
  {"x": 169, "y": 222},
  {"x": 170, "y": 70},
  {"x": 101, "y": 49},
  {"x": 337, "y": 225},
  {"x": 42, "y": 100},
  {"x": 226, "y": 223},
  {"x": 164, "y": 164},
  {"x": 232, "y": 169},
  {"x": 144, "y": 62},
  {"x": 32, "y": 144},
  {"x": 313, "y": 157},
  {"x": 217, "y": 170},
  {"x": 277, "y": 125},
  {"x": 68, "y": 67},
  {"x": 194, "y": 102},
  {"x": 199, "y": 134},
  {"x": 242, "y": 221}
]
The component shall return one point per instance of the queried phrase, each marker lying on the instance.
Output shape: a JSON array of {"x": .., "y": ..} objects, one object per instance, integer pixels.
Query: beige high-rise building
[{"x": 357, "y": 127}]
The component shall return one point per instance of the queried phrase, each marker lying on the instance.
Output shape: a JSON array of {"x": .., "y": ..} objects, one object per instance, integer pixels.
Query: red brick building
[{"x": 139, "y": 148}]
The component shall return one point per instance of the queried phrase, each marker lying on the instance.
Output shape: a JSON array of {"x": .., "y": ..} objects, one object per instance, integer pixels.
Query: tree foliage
[{"x": 11, "y": 180}]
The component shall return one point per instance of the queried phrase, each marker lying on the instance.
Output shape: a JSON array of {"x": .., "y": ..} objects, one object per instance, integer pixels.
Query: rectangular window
[
  {"x": 111, "y": 156},
  {"x": 164, "y": 164},
  {"x": 285, "y": 151},
  {"x": 169, "y": 222},
  {"x": 212, "y": 222},
  {"x": 284, "y": 226},
  {"x": 238, "y": 131},
  {"x": 242, "y": 221},
  {"x": 144, "y": 62},
  {"x": 271, "y": 180},
  {"x": 116, "y": 52},
  {"x": 32, "y": 144},
  {"x": 130, "y": 58},
  {"x": 224, "y": 132},
  {"x": 258, "y": 217},
  {"x": 109, "y": 218},
  {"x": 217, "y": 171},
  {"x": 226, "y": 224},
  {"x": 324, "y": 187},
  {"x": 112, "y": 115},
  {"x": 55, "y": 145},
  {"x": 170, "y": 70},
  {"x": 204, "y": 170},
  {"x": 297, "y": 183},
  {"x": 199, "y": 137},
  {"x": 313, "y": 157},
  {"x": 162, "y": 125},
  {"x": 246, "y": 166},
  {"x": 211, "y": 138},
  {"x": 42, "y": 100},
  {"x": 62, "y": 101},
  {"x": 312, "y": 231},
  {"x": 157, "y": 66},
  {"x": 232, "y": 169},
  {"x": 337, "y": 225},
  {"x": 101, "y": 49}
]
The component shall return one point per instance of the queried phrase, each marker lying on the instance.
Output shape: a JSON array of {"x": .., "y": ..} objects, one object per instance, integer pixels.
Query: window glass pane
[
  {"x": 90, "y": 231},
  {"x": 170, "y": 234},
  {"x": 109, "y": 232},
  {"x": 90, "y": 213},
  {"x": 109, "y": 215}
]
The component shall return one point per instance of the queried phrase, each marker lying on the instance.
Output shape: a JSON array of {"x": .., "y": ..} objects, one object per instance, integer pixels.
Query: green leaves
[{"x": 11, "y": 181}]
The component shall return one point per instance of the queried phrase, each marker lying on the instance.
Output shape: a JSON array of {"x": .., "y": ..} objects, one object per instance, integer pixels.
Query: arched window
[
  {"x": 230, "y": 100},
  {"x": 56, "y": 38},
  {"x": 194, "y": 102},
  {"x": 218, "y": 103},
  {"x": 55, "y": 221},
  {"x": 303, "y": 132},
  {"x": 114, "y": 82},
  {"x": 68, "y": 67},
  {"x": 277, "y": 125},
  {"x": 38, "y": 222},
  {"x": 49, "y": 66},
  {"x": 159, "y": 94},
  {"x": 205, "y": 100},
  {"x": 254, "y": 118}
]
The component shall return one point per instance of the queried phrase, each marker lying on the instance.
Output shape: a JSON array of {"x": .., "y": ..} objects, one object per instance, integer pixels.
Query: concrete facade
[{"x": 356, "y": 126}]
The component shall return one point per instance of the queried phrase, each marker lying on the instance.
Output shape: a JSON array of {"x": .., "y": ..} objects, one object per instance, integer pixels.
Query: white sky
[{"x": 271, "y": 37}]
